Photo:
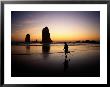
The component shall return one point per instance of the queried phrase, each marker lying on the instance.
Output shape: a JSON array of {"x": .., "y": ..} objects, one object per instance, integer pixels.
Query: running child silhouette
[{"x": 66, "y": 48}]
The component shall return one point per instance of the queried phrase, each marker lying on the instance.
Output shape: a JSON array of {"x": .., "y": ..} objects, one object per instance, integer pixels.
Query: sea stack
[
  {"x": 27, "y": 38},
  {"x": 46, "y": 35}
]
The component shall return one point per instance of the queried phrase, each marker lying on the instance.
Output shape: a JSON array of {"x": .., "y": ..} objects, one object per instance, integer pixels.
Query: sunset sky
[{"x": 63, "y": 25}]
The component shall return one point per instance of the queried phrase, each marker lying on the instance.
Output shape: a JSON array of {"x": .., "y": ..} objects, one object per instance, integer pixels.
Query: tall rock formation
[
  {"x": 27, "y": 38},
  {"x": 46, "y": 35}
]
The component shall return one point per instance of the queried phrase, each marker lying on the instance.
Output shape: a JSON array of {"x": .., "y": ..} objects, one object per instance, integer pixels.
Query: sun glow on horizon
[
  {"x": 55, "y": 36},
  {"x": 63, "y": 26}
]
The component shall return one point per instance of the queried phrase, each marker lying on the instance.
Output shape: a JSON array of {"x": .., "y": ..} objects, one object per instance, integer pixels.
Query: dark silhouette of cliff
[
  {"x": 27, "y": 38},
  {"x": 46, "y": 35}
]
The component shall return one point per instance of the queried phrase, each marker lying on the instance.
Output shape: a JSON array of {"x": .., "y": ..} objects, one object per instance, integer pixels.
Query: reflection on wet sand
[
  {"x": 45, "y": 50},
  {"x": 66, "y": 63},
  {"x": 50, "y": 60},
  {"x": 27, "y": 49}
]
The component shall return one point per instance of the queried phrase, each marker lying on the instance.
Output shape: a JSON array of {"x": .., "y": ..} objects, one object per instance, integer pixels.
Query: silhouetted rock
[
  {"x": 46, "y": 35},
  {"x": 27, "y": 38}
]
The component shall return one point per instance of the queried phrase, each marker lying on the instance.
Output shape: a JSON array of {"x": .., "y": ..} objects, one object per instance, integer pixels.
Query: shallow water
[{"x": 40, "y": 60}]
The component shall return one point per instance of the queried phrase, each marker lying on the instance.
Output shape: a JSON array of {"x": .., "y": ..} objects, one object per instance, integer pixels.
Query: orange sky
[{"x": 63, "y": 26}]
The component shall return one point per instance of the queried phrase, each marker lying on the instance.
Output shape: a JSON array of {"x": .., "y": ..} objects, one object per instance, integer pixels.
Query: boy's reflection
[{"x": 66, "y": 63}]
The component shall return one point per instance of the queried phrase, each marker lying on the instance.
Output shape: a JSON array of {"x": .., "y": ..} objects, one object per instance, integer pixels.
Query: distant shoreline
[
  {"x": 52, "y": 44},
  {"x": 68, "y": 42}
]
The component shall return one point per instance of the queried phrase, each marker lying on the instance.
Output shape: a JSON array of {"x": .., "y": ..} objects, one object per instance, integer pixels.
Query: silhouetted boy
[{"x": 65, "y": 48}]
